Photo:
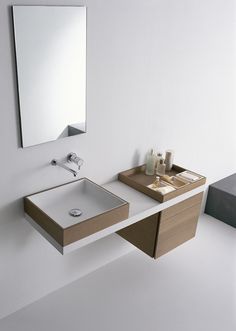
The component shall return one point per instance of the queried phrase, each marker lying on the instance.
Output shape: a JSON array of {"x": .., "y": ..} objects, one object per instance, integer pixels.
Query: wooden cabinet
[{"x": 160, "y": 233}]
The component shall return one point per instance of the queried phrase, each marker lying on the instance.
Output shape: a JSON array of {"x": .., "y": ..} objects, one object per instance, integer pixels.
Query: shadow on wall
[
  {"x": 72, "y": 130},
  {"x": 14, "y": 76},
  {"x": 13, "y": 234},
  {"x": 135, "y": 161},
  {"x": 94, "y": 253},
  {"x": 136, "y": 158}
]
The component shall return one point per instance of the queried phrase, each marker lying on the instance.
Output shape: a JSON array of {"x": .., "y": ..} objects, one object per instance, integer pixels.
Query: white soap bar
[{"x": 163, "y": 190}]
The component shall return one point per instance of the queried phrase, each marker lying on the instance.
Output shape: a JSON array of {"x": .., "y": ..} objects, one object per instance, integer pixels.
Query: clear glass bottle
[
  {"x": 150, "y": 163},
  {"x": 159, "y": 157},
  {"x": 161, "y": 168}
]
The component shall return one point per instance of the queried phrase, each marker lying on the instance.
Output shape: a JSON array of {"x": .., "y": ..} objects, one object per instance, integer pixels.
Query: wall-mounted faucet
[{"x": 71, "y": 157}]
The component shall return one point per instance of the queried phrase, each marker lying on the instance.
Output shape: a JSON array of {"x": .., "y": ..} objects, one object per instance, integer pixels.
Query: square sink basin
[{"x": 75, "y": 210}]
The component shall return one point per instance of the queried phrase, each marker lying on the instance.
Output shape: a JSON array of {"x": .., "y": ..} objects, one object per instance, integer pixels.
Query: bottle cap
[{"x": 169, "y": 152}]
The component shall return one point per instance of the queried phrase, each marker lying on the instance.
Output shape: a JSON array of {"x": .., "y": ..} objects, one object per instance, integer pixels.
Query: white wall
[{"x": 160, "y": 73}]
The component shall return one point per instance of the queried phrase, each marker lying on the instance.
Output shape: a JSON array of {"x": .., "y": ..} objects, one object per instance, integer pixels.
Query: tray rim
[{"x": 125, "y": 177}]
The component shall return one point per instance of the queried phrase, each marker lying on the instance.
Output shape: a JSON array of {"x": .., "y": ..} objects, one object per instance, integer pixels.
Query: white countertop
[{"x": 141, "y": 206}]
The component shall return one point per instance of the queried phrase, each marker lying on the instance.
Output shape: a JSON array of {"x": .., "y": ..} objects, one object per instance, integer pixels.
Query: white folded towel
[{"x": 189, "y": 176}]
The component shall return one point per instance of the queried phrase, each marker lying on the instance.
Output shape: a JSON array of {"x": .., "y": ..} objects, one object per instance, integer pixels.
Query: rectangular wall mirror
[{"x": 50, "y": 45}]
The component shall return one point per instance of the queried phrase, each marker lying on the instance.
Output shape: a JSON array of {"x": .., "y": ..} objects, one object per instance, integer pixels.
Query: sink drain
[{"x": 75, "y": 212}]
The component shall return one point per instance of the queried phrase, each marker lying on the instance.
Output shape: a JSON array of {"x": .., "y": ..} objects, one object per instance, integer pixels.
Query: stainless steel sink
[{"x": 76, "y": 210}]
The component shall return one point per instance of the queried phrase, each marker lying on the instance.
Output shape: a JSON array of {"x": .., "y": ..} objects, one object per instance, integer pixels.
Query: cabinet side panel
[
  {"x": 177, "y": 229},
  {"x": 43, "y": 220},
  {"x": 142, "y": 234}
]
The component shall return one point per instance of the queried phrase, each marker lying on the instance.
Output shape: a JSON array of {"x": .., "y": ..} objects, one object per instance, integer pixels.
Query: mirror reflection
[{"x": 50, "y": 45}]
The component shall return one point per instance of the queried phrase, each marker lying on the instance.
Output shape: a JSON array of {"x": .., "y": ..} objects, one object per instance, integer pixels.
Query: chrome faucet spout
[{"x": 55, "y": 162}]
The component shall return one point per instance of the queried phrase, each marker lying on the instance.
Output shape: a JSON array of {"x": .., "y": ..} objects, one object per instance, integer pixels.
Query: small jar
[{"x": 169, "y": 159}]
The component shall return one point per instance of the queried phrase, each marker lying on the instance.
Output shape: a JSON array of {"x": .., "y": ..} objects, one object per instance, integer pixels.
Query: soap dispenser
[{"x": 151, "y": 163}]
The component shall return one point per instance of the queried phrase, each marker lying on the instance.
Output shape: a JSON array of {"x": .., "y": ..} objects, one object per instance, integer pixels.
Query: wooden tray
[{"x": 137, "y": 179}]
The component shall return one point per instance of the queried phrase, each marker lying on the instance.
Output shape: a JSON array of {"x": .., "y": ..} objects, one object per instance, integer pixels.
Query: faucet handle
[
  {"x": 80, "y": 163},
  {"x": 73, "y": 157}
]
